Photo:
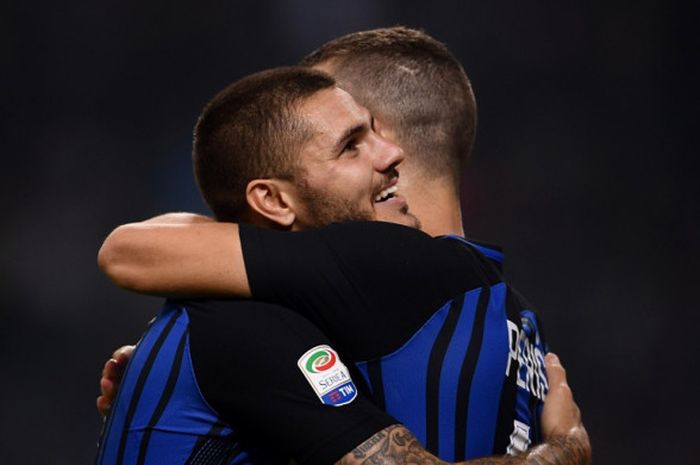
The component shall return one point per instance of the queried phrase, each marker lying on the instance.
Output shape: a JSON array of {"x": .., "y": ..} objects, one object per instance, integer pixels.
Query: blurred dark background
[{"x": 583, "y": 170}]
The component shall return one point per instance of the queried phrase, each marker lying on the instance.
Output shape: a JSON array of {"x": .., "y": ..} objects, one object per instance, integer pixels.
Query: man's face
[{"x": 349, "y": 171}]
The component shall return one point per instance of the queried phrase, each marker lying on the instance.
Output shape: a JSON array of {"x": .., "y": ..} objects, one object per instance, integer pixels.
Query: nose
[{"x": 388, "y": 154}]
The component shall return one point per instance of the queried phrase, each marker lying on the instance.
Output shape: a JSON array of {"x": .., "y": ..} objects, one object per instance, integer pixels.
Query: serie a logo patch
[{"x": 327, "y": 375}]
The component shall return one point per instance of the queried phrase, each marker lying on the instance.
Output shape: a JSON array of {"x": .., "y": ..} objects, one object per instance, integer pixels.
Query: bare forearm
[
  {"x": 570, "y": 449},
  {"x": 396, "y": 445},
  {"x": 163, "y": 256}
]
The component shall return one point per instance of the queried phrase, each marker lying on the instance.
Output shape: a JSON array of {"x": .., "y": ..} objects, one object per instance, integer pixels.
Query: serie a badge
[{"x": 327, "y": 375}]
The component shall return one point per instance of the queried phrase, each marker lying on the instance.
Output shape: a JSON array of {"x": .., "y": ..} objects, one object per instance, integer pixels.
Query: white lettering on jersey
[
  {"x": 530, "y": 372},
  {"x": 519, "y": 438}
]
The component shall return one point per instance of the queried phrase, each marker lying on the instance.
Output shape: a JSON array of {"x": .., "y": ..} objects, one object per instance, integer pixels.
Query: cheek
[{"x": 356, "y": 183}]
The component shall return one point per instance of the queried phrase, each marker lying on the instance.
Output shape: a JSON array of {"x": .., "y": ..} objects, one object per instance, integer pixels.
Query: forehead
[{"x": 330, "y": 112}]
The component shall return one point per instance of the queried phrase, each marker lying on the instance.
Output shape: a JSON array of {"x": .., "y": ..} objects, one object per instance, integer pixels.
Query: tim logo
[{"x": 327, "y": 375}]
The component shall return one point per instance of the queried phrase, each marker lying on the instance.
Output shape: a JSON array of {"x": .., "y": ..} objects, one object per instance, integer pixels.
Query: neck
[{"x": 436, "y": 204}]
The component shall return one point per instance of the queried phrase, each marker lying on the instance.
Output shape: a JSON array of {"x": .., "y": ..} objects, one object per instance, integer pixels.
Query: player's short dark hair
[
  {"x": 252, "y": 130},
  {"x": 413, "y": 82}
]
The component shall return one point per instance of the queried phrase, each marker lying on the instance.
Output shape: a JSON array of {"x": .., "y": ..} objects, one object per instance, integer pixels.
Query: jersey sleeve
[
  {"x": 270, "y": 371},
  {"x": 353, "y": 279}
]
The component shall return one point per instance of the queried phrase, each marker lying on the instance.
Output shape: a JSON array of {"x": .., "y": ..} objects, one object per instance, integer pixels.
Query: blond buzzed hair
[{"x": 412, "y": 82}]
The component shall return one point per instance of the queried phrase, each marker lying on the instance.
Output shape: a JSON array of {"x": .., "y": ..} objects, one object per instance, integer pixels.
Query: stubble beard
[{"x": 322, "y": 208}]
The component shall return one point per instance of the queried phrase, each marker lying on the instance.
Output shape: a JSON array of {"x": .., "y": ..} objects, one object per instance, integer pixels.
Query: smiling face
[{"x": 348, "y": 170}]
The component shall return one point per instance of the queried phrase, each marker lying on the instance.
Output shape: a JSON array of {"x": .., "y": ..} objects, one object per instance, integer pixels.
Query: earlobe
[
  {"x": 377, "y": 126},
  {"x": 381, "y": 129},
  {"x": 271, "y": 199}
]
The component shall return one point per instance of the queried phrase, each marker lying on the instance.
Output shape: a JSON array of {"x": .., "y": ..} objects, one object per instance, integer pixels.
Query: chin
[
  {"x": 412, "y": 222},
  {"x": 404, "y": 219}
]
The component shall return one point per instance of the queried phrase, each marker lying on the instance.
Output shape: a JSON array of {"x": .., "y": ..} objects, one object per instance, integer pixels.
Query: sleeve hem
[{"x": 335, "y": 447}]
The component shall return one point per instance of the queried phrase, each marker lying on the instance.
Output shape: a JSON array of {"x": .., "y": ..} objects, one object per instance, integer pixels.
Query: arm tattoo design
[
  {"x": 395, "y": 445},
  {"x": 360, "y": 451}
]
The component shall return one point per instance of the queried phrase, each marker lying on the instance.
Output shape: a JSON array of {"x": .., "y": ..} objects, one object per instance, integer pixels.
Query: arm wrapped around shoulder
[{"x": 197, "y": 258}]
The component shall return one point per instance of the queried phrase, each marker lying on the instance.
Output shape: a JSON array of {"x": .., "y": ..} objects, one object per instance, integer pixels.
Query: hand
[
  {"x": 561, "y": 417},
  {"x": 560, "y": 412},
  {"x": 111, "y": 378}
]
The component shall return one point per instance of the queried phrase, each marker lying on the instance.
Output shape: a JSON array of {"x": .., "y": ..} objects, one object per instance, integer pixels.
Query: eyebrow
[{"x": 348, "y": 133}]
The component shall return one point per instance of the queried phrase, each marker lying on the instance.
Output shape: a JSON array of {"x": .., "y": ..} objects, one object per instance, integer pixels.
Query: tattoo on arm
[
  {"x": 360, "y": 451},
  {"x": 395, "y": 445}
]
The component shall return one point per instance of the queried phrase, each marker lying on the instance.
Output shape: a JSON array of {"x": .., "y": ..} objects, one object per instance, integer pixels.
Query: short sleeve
[
  {"x": 272, "y": 372},
  {"x": 356, "y": 279}
]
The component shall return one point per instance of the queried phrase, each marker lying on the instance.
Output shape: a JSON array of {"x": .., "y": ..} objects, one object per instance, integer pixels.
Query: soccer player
[{"x": 286, "y": 204}]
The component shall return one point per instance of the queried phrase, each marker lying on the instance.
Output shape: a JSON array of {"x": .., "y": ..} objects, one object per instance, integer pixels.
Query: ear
[
  {"x": 383, "y": 130},
  {"x": 273, "y": 199}
]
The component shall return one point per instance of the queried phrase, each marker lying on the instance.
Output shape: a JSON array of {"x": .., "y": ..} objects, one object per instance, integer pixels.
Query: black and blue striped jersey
[
  {"x": 442, "y": 343},
  {"x": 159, "y": 415},
  {"x": 219, "y": 383}
]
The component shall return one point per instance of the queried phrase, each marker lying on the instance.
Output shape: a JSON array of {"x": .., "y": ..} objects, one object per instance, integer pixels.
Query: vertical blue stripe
[
  {"x": 188, "y": 409},
  {"x": 115, "y": 426},
  {"x": 531, "y": 325},
  {"x": 449, "y": 376},
  {"x": 489, "y": 376},
  {"x": 404, "y": 373},
  {"x": 531, "y": 352},
  {"x": 158, "y": 377},
  {"x": 153, "y": 388},
  {"x": 362, "y": 367},
  {"x": 184, "y": 421},
  {"x": 166, "y": 395}
]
